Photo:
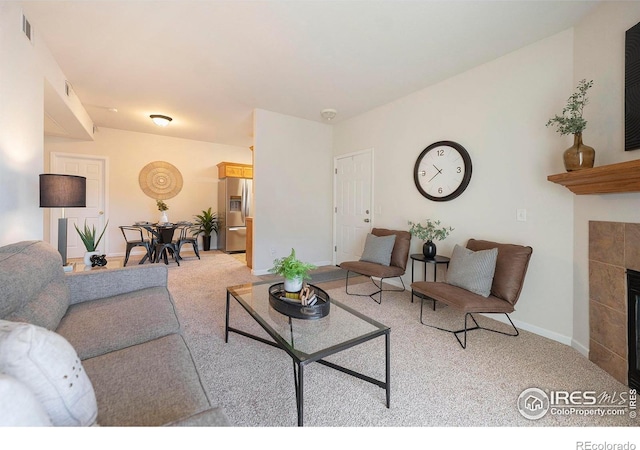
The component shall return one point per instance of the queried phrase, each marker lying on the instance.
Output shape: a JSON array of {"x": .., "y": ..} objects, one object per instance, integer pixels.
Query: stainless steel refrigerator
[{"x": 234, "y": 206}]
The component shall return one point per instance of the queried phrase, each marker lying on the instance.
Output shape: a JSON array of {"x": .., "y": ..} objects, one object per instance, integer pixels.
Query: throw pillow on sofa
[
  {"x": 49, "y": 366},
  {"x": 19, "y": 406},
  {"x": 471, "y": 270}
]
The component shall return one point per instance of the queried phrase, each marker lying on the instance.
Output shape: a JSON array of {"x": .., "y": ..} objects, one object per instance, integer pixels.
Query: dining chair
[
  {"x": 186, "y": 238},
  {"x": 165, "y": 244},
  {"x": 134, "y": 238}
]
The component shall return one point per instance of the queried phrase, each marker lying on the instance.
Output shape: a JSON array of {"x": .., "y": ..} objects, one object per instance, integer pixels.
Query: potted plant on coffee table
[
  {"x": 205, "y": 224},
  {"x": 88, "y": 237},
  {"x": 293, "y": 270},
  {"x": 429, "y": 233}
]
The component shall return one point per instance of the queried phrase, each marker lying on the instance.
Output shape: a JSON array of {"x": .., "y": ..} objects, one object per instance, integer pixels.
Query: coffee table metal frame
[{"x": 301, "y": 359}]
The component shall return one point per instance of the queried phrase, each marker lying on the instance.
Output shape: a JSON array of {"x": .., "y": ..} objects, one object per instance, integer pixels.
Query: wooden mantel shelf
[{"x": 610, "y": 179}]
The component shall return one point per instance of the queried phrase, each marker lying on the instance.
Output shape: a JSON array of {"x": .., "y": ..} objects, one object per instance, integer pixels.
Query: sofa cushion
[
  {"x": 19, "y": 406},
  {"x": 149, "y": 384},
  {"x": 49, "y": 366},
  {"x": 33, "y": 285},
  {"x": 471, "y": 270},
  {"x": 100, "y": 326},
  {"x": 377, "y": 249}
]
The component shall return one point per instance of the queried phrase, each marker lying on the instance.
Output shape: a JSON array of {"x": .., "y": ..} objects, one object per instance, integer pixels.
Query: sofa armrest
[
  {"x": 96, "y": 284},
  {"x": 213, "y": 417}
]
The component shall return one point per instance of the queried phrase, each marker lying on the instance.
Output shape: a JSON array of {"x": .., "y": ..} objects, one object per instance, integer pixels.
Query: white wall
[
  {"x": 599, "y": 55},
  {"x": 25, "y": 67},
  {"x": 293, "y": 189},
  {"x": 128, "y": 152},
  {"x": 497, "y": 111}
]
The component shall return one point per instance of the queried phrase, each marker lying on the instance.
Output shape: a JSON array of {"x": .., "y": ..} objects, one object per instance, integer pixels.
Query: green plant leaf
[
  {"x": 571, "y": 120},
  {"x": 430, "y": 231},
  {"x": 205, "y": 223},
  {"x": 88, "y": 236},
  {"x": 290, "y": 267}
]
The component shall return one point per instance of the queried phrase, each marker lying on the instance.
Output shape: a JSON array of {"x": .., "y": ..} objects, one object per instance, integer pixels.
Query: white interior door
[
  {"x": 353, "y": 200},
  {"x": 94, "y": 169}
]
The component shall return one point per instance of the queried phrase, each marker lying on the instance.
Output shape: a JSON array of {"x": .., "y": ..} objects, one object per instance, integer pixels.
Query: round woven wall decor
[{"x": 160, "y": 180}]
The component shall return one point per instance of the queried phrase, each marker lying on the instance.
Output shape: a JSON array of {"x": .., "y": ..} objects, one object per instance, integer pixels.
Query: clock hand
[{"x": 438, "y": 173}]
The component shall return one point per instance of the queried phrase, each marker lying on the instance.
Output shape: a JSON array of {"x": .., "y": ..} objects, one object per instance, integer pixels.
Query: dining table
[{"x": 160, "y": 234}]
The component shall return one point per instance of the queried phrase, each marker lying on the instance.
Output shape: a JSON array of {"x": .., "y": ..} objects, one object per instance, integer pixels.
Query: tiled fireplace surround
[{"x": 613, "y": 248}]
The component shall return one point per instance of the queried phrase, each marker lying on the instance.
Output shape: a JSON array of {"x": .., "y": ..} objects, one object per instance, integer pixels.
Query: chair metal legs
[
  {"x": 194, "y": 244},
  {"x": 476, "y": 326},
  {"x": 379, "y": 291},
  {"x": 163, "y": 249},
  {"x": 131, "y": 246}
]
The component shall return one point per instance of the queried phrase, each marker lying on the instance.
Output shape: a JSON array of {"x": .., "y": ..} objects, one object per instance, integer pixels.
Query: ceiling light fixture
[
  {"x": 161, "y": 121},
  {"x": 328, "y": 114}
]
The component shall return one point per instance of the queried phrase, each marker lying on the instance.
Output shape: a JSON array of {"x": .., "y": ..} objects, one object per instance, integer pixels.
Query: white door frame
[
  {"x": 335, "y": 199},
  {"x": 105, "y": 160}
]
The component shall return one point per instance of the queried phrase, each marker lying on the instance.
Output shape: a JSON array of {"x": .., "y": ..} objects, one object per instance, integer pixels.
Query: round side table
[{"x": 423, "y": 259}]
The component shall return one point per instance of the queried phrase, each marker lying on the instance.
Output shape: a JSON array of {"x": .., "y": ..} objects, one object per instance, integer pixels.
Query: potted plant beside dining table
[{"x": 205, "y": 224}]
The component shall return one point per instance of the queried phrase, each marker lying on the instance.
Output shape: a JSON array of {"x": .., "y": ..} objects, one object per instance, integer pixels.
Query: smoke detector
[{"x": 328, "y": 113}]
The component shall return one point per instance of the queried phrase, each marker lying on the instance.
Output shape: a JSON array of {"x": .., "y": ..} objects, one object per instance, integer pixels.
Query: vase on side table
[{"x": 429, "y": 250}]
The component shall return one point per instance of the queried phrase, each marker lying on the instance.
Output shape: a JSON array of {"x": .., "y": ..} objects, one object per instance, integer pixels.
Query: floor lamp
[{"x": 62, "y": 191}]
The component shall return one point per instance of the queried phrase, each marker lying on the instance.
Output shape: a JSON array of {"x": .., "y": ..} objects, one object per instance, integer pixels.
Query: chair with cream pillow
[
  {"x": 385, "y": 255},
  {"x": 485, "y": 278}
]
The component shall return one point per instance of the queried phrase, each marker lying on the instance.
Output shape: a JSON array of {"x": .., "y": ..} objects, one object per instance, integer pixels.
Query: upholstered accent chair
[
  {"x": 511, "y": 266},
  {"x": 396, "y": 267}
]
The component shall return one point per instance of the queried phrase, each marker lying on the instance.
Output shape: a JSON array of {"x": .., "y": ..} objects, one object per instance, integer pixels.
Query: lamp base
[{"x": 62, "y": 239}]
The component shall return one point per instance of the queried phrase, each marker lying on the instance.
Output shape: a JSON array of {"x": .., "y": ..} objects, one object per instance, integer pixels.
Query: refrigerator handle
[
  {"x": 247, "y": 204},
  {"x": 244, "y": 200}
]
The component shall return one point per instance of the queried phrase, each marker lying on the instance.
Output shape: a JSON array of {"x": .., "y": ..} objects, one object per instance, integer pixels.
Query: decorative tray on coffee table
[{"x": 293, "y": 307}]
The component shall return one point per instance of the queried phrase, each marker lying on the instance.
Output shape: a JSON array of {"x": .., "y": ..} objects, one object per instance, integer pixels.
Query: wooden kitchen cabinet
[{"x": 234, "y": 170}]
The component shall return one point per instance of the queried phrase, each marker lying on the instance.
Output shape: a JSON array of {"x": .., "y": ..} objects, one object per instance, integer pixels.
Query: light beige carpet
[{"x": 434, "y": 381}]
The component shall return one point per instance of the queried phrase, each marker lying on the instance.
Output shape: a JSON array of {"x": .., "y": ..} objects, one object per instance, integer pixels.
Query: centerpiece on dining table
[{"x": 162, "y": 207}]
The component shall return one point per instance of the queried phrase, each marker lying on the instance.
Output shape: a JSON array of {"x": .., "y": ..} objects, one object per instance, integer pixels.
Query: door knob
[
  {"x": 367, "y": 220},
  {"x": 100, "y": 212}
]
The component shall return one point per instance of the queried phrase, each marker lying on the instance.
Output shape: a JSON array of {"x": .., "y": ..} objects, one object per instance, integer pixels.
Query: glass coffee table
[{"x": 309, "y": 340}]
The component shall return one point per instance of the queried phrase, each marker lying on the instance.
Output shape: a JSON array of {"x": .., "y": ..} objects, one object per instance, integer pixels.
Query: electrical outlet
[
  {"x": 273, "y": 251},
  {"x": 521, "y": 215}
]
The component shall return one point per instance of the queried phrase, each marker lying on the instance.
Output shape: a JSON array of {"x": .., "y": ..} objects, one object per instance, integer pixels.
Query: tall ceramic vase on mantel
[{"x": 578, "y": 156}]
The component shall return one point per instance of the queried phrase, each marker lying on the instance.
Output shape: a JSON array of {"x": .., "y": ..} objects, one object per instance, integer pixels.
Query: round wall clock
[{"x": 442, "y": 171}]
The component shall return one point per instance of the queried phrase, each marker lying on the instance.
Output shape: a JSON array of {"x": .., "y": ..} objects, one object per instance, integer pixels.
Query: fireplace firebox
[{"x": 633, "y": 321}]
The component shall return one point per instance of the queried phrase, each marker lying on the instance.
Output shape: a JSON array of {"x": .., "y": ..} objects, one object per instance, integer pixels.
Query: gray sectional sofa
[{"x": 123, "y": 326}]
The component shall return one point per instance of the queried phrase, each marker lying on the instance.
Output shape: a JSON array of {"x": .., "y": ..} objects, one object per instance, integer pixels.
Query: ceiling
[{"x": 209, "y": 63}]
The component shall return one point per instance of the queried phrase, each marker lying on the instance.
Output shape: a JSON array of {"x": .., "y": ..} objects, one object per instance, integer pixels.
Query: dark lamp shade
[{"x": 62, "y": 191}]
